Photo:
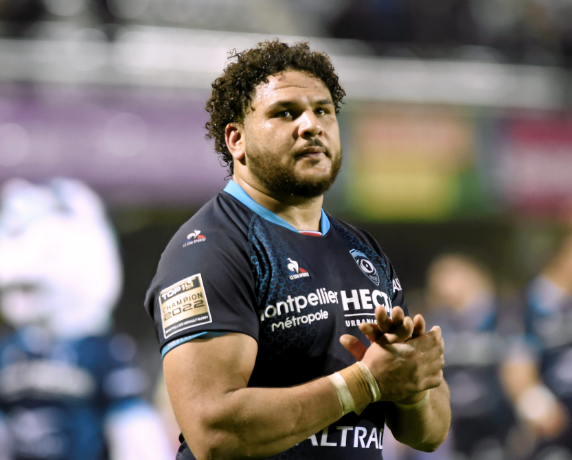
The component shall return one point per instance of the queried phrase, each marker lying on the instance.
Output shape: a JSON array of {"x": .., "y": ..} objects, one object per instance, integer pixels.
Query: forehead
[{"x": 289, "y": 84}]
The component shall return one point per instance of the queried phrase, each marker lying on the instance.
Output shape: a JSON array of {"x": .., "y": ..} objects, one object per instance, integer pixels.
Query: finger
[
  {"x": 400, "y": 334},
  {"x": 436, "y": 331},
  {"x": 383, "y": 321},
  {"x": 354, "y": 346},
  {"x": 418, "y": 326},
  {"x": 397, "y": 316},
  {"x": 371, "y": 331},
  {"x": 432, "y": 348},
  {"x": 387, "y": 324},
  {"x": 433, "y": 338}
]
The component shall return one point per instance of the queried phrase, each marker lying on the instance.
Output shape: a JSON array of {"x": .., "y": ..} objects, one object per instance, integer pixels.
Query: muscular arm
[
  {"x": 221, "y": 418},
  {"x": 423, "y": 429}
]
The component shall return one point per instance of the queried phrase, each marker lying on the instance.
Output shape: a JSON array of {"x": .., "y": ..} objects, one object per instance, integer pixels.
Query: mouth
[{"x": 313, "y": 151}]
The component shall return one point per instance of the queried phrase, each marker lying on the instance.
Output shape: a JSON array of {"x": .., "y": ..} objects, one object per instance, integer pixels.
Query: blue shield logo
[{"x": 365, "y": 265}]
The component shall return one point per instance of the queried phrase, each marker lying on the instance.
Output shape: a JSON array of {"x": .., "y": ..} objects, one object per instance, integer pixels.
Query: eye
[
  {"x": 283, "y": 114},
  {"x": 321, "y": 111}
]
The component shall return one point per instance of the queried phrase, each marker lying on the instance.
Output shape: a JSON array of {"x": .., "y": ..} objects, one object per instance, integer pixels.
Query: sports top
[
  {"x": 548, "y": 319},
  {"x": 237, "y": 267},
  {"x": 56, "y": 395}
]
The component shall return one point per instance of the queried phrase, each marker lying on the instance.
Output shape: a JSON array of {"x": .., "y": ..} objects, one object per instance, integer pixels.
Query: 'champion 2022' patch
[{"x": 184, "y": 305}]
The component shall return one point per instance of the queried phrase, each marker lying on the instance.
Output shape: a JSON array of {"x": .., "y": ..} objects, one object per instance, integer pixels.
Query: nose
[{"x": 309, "y": 125}]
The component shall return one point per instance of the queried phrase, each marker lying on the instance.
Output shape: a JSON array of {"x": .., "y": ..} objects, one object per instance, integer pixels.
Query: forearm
[
  {"x": 519, "y": 376},
  {"x": 423, "y": 429},
  {"x": 259, "y": 422}
]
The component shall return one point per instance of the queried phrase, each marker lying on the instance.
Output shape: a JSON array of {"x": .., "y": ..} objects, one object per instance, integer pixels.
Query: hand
[
  {"x": 552, "y": 426},
  {"x": 407, "y": 360},
  {"x": 403, "y": 370},
  {"x": 550, "y": 420},
  {"x": 387, "y": 330}
]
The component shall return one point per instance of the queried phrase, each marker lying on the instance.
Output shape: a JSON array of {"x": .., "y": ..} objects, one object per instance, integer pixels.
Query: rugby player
[{"x": 284, "y": 331}]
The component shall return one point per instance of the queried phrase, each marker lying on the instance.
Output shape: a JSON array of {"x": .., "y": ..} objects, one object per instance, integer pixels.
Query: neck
[{"x": 301, "y": 213}]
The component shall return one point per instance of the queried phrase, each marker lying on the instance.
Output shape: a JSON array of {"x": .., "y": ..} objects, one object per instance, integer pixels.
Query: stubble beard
[{"x": 281, "y": 180}]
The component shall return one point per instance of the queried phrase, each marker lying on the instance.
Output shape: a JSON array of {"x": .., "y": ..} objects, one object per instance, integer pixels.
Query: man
[
  {"x": 256, "y": 294},
  {"x": 538, "y": 375},
  {"x": 477, "y": 325},
  {"x": 69, "y": 385}
]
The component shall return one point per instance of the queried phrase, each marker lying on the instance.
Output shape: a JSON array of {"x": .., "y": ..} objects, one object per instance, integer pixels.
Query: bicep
[{"x": 199, "y": 374}]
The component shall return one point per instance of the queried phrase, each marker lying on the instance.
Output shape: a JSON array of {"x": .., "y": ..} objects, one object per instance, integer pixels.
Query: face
[
  {"x": 292, "y": 138},
  {"x": 452, "y": 282}
]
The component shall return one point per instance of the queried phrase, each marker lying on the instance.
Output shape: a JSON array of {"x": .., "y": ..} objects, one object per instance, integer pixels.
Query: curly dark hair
[{"x": 232, "y": 92}]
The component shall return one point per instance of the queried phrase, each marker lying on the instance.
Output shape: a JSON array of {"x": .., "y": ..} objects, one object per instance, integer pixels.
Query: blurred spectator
[
  {"x": 524, "y": 31},
  {"x": 527, "y": 31},
  {"x": 445, "y": 22},
  {"x": 18, "y": 16},
  {"x": 68, "y": 387},
  {"x": 462, "y": 301},
  {"x": 539, "y": 376},
  {"x": 373, "y": 21}
]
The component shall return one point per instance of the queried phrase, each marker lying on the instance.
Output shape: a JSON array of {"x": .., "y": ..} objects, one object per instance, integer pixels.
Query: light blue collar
[{"x": 238, "y": 192}]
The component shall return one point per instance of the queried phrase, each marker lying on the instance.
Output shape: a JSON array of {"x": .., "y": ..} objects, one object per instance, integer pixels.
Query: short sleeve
[{"x": 204, "y": 284}]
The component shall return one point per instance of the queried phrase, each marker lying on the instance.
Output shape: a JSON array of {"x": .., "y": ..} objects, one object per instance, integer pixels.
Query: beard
[{"x": 283, "y": 180}]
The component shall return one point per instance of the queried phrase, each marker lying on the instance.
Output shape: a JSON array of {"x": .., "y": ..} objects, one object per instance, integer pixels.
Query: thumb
[{"x": 354, "y": 346}]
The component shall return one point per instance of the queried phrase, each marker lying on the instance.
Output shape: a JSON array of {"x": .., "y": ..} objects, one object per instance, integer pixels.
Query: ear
[{"x": 235, "y": 141}]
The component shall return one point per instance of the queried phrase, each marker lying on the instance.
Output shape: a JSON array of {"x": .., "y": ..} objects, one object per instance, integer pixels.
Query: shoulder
[
  {"x": 222, "y": 217},
  {"x": 212, "y": 242},
  {"x": 357, "y": 233},
  {"x": 221, "y": 225}
]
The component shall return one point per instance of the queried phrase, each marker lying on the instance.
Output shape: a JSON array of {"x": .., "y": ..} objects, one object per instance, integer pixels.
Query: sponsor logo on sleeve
[
  {"x": 296, "y": 270},
  {"x": 365, "y": 265},
  {"x": 194, "y": 237},
  {"x": 184, "y": 305}
]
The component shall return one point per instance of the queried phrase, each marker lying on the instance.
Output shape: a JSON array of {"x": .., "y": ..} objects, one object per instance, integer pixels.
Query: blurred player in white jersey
[{"x": 69, "y": 389}]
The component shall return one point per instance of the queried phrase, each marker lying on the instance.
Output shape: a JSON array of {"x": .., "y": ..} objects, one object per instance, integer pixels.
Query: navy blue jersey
[
  {"x": 548, "y": 319},
  {"x": 237, "y": 267},
  {"x": 476, "y": 342},
  {"x": 55, "y": 394},
  {"x": 549, "y": 326}
]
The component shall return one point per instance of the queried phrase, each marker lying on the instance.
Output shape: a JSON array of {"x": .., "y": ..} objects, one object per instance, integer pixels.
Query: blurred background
[{"x": 457, "y": 133}]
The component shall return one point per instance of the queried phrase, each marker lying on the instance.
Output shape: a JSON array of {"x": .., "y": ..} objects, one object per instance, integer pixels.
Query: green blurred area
[{"x": 414, "y": 163}]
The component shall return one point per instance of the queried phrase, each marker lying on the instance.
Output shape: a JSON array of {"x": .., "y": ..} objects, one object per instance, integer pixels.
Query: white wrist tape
[
  {"x": 536, "y": 403},
  {"x": 415, "y": 406},
  {"x": 356, "y": 388},
  {"x": 372, "y": 382},
  {"x": 344, "y": 395}
]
